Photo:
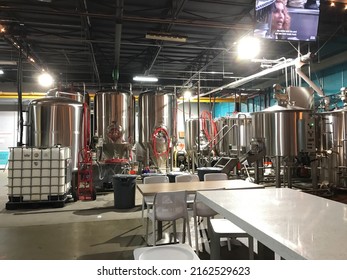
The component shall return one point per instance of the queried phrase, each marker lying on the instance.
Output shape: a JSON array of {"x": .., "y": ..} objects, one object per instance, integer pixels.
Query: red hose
[
  {"x": 157, "y": 130},
  {"x": 85, "y": 152},
  {"x": 206, "y": 115}
]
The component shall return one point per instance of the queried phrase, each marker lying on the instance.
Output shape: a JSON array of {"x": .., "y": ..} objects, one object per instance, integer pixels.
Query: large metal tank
[
  {"x": 332, "y": 141},
  {"x": 197, "y": 135},
  {"x": 236, "y": 135},
  {"x": 114, "y": 122},
  {"x": 286, "y": 131},
  {"x": 56, "y": 121},
  {"x": 157, "y": 123},
  {"x": 222, "y": 147}
]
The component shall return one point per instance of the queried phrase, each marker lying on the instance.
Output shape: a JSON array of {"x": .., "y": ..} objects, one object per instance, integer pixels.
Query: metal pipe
[
  {"x": 309, "y": 82},
  {"x": 198, "y": 118},
  {"x": 209, "y": 143},
  {"x": 118, "y": 36},
  {"x": 110, "y": 16},
  {"x": 20, "y": 103},
  {"x": 278, "y": 171},
  {"x": 279, "y": 66}
]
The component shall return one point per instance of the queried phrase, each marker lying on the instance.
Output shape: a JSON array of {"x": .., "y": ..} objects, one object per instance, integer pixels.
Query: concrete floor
[
  {"x": 79, "y": 230},
  {"x": 89, "y": 230}
]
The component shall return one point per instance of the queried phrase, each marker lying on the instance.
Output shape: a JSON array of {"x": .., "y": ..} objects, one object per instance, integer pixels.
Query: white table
[
  {"x": 193, "y": 187},
  {"x": 293, "y": 224}
]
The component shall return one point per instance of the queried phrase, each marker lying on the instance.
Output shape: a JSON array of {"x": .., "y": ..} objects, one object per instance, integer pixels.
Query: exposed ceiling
[{"x": 96, "y": 43}]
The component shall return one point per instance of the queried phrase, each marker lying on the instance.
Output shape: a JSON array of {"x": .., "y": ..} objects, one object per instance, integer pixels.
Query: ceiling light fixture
[
  {"x": 45, "y": 79},
  {"x": 166, "y": 37},
  {"x": 248, "y": 48},
  {"x": 2, "y": 29},
  {"x": 187, "y": 94},
  {"x": 1, "y": 72},
  {"x": 145, "y": 79},
  {"x": 8, "y": 62}
]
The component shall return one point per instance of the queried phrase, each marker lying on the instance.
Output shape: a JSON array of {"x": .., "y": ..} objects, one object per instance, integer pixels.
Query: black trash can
[
  {"x": 124, "y": 187},
  {"x": 204, "y": 170}
]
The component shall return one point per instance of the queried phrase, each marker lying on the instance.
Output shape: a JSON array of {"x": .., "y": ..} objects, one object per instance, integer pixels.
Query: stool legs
[
  {"x": 250, "y": 247},
  {"x": 214, "y": 246}
]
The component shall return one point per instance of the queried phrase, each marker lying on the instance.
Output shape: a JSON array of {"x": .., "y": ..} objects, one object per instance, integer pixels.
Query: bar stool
[{"x": 219, "y": 228}]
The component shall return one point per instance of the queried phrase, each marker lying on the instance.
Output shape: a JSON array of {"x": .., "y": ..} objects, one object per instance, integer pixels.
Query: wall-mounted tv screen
[{"x": 295, "y": 20}]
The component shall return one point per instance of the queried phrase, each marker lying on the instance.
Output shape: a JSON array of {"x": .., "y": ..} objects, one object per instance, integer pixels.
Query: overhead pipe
[
  {"x": 87, "y": 31},
  {"x": 20, "y": 99},
  {"x": 184, "y": 22},
  {"x": 235, "y": 84},
  {"x": 199, "y": 150},
  {"x": 118, "y": 36},
  {"x": 298, "y": 63}
]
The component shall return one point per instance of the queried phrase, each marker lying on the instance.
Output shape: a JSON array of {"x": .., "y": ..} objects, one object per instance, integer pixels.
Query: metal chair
[
  {"x": 148, "y": 199},
  {"x": 169, "y": 206}
]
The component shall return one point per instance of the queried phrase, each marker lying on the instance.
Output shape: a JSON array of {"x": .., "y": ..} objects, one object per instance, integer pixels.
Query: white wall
[
  {"x": 8, "y": 134},
  {"x": 8, "y": 129}
]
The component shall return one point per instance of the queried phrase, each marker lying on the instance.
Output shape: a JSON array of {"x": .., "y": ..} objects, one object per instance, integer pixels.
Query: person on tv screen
[
  {"x": 280, "y": 18},
  {"x": 273, "y": 19}
]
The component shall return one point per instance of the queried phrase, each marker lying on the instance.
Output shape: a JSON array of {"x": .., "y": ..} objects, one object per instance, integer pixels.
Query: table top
[
  {"x": 192, "y": 187},
  {"x": 294, "y": 224}
]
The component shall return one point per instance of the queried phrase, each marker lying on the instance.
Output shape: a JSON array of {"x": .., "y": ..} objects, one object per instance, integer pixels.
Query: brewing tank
[
  {"x": 222, "y": 147},
  {"x": 114, "y": 122},
  {"x": 332, "y": 141},
  {"x": 286, "y": 131},
  {"x": 236, "y": 135},
  {"x": 197, "y": 135},
  {"x": 56, "y": 121},
  {"x": 157, "y": 122}
]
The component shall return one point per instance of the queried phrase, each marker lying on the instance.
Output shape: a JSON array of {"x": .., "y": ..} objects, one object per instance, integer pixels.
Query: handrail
[{"x": 209, "y": 143}]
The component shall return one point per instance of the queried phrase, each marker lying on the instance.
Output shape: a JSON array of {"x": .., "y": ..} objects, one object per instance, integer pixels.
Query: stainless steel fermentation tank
[
  {"x": 157, "y": 126},
  {"x": 332, "y": 143},
  {"x": 286, "y": 132},
  {"x": 56, "y": 121},
  {"x": 234, "y": 134},
  {"x": 198, "y": 136},
  {"x": 199, "y": 141},
  {"x": 114, "y": 123}
]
